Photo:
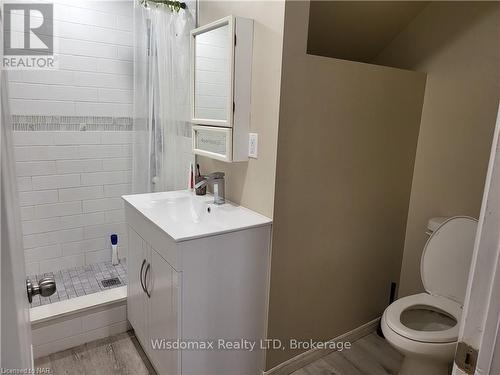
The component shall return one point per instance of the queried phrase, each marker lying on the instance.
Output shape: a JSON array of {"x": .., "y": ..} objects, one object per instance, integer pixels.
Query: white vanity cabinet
[
  {"x": 198, "y": 273},
  {"x": 136, "y": 296},
  {"x": 152, "y": 301}
]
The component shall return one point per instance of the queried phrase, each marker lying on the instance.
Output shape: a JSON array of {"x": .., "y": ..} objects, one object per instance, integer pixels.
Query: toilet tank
[{"x": 434, "y": 223}]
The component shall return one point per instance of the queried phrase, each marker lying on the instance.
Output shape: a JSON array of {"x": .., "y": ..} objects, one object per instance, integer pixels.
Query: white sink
[{"x": 184, "y": 215}]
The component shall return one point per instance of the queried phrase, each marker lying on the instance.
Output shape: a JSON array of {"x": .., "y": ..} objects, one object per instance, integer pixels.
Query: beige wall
[
  {"x": 346, "y": 147},
  {"x": 457, "y": 44},
  {"x": 252, "y": 183},
  {"x": 357, "y": 30}
]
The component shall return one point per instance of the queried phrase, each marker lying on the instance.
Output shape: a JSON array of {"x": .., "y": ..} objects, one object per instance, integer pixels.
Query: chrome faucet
[{"x": 216, "y": 179}]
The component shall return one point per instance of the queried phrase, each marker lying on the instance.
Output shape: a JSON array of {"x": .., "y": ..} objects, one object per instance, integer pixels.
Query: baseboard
[{"x": 310, "y": 356}]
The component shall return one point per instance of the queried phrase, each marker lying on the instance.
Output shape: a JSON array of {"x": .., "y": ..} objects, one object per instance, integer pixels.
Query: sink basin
[{"x": 184, "y": 215}]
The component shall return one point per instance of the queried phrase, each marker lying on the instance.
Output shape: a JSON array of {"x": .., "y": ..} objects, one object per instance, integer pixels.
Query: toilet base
[{"x": 422, "y": 365}]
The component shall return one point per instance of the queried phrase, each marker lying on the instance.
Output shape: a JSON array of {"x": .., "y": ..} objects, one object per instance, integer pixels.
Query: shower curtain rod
[{"x": 173, "y": 5}]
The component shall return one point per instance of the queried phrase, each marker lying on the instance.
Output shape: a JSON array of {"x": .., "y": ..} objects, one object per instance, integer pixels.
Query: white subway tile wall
[
  {"x": 70, "y": 182},
  {"x": 76, "y": 329},
  {"x": 70, "y": 195},
  {"x": 73, "y": 138},
  {"x": 93, "y": 45}
]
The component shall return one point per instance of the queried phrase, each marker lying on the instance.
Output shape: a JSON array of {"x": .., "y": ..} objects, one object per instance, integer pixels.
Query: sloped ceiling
[{"x": 357, "y": 30}]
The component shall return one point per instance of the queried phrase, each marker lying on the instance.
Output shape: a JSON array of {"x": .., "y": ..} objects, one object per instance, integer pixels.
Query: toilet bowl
[{"x": 424, "y": 327}]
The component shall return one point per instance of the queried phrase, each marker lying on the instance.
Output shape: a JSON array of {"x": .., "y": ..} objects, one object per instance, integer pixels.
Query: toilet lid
[{"x": 447, "y": 257}]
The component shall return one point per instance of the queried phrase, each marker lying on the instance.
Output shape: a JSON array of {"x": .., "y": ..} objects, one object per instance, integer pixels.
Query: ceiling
[{"x": 357, "y": 30}]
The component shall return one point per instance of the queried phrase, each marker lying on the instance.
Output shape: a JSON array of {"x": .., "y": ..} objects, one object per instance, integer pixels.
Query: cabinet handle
[
  {"x": 148, "y": 267},
  {"x": 140, "y": 275}
]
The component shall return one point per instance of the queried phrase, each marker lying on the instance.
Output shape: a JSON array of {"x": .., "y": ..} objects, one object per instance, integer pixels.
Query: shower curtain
[{"x": 161, "y": 97}]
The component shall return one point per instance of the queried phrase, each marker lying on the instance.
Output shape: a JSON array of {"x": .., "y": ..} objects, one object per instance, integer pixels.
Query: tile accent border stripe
[
  {"x": 70, "y": 123},
  {"x": 87, "y": 123}
]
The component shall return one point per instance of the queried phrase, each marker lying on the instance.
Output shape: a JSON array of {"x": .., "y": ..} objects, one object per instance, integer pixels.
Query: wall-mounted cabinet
[{"x": 221, "y": 75}]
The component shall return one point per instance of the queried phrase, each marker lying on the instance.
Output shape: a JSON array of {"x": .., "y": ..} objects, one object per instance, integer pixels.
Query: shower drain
[{"x": 106, "y": 283}]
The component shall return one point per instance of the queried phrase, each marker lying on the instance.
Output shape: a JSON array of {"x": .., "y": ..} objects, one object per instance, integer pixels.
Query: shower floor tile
[{"x": 80, "y": 281}]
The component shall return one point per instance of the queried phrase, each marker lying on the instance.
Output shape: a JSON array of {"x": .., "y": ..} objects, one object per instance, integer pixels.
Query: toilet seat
[
  {"x": 423, "y": 300},
  {"x": 424, "y": 327}
]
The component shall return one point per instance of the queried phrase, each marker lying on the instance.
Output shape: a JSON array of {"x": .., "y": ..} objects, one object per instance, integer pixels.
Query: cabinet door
[
  {"x": 136, "y": 298},
  {"x": 163, "y": 289},
  {"x": 212, "y": 92}
]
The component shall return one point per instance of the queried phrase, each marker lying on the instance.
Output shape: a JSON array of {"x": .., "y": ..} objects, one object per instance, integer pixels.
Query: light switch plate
[{"x": 253, "y": 145}]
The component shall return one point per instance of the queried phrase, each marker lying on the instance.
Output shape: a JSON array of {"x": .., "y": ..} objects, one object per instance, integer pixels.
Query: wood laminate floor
[
  {"x": 370, "y": 355},
  {"x": 122, "y": 354},
  {"x": 115, "y": 355}
]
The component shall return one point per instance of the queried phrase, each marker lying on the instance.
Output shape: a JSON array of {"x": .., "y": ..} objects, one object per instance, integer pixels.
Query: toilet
[{"x": 424, "y": 327}]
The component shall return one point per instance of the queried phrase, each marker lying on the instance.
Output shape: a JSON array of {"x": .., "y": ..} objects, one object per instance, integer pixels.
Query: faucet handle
[{"x": 215, "y": 175}]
